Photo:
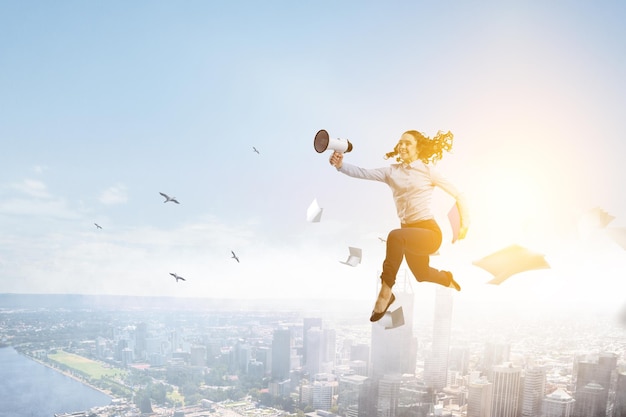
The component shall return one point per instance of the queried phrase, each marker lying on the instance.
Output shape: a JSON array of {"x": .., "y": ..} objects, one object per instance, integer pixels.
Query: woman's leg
[
  {"x": 419, "y": 266},
  {"x": 417, "y": 253},
  {"x": 413, "y": 243},
  {"x": 391, "y": 264}
]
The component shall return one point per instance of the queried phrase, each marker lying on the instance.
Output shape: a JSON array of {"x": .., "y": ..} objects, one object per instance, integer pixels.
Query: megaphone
[{"x": 323, "y": 142}]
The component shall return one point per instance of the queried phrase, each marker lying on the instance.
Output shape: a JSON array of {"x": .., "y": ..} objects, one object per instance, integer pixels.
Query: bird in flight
[
  {"x": 98, "y": 226},
  {"x": 234, "y": 256},
  {"x": 256, "y": 150},
  {"x": 178, "y": 277},
  {"x": 168, "y": 198},
  {"x": 381, "y": 239}
]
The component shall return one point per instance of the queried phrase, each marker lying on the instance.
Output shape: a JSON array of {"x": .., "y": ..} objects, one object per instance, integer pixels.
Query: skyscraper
[
  {"x": 459, "y": 360},
  {"x": 322, "y": 398},
  {"x": 352, "y": 394},
  {"x": 436, "y": 365},
  {"x": 393, "y": 351},
  {"x": 558, "y": 404},
  {"x": 321, "y": 349},
  {"x": 329, "y": 337},
  {"x": 598, "y": 370},
  {"x": 590, "y": 401},
  {"x": 198, "y": 355},
  {"x": 263, "y": 355},
  {"x": 506, "y": 390},
  {"x": 533, "y": 391},
  {"x": 281, "y": 354},
  {"x": 388, "y": 395},
  {"x": 495, "y": 354},
  {"x": 479, "y": 398},
  {"x": 620, "y": 395},
  {"x": 308, "y": 323},
  {"x": 141, "y": 334},
  {"x": 313, "y": 348}
]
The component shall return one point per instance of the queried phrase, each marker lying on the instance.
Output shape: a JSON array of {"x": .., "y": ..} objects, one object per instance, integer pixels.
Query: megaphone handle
[{"x": 336, "y": 159}]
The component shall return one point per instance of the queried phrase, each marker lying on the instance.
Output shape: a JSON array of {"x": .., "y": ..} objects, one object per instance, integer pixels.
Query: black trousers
[{"x": 415, "y": 242}]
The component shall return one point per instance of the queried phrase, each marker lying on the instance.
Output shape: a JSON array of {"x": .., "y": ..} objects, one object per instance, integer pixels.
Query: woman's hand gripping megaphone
[{"x": 336, "y": 159}]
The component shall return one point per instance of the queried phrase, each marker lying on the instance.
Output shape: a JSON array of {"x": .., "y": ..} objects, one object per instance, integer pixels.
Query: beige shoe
[
  {"x": 384, "y": 300},
  {"x": 453, "y": 283}
]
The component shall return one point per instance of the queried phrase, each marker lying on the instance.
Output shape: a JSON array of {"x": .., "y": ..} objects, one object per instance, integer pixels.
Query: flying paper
[
  {"x": 354, "y": 258},
  {"x": 455, "y": 221},
  {"x": 393, "y": 319},
  {"x": 314, "y": 212},
  {"x": 509, "y": 261},
  {"x": 618, "y": 234},
  {"x": 596, "y": 218}
]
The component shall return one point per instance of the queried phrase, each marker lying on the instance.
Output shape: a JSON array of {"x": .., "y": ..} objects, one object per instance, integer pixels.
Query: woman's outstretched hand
[
  {"x": 336, "y": 159},
  {"x": 462, "y": 232}
]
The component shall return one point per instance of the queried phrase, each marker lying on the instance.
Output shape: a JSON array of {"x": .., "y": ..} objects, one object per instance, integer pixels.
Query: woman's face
[{"x": 407, "y": 148}]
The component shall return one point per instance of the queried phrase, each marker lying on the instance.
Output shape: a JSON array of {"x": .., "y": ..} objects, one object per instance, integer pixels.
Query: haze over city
[{"x": 106, "y": 105}]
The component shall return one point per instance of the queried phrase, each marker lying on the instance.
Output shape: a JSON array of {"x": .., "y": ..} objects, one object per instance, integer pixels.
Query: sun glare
[{"x": 511, "y": 207}]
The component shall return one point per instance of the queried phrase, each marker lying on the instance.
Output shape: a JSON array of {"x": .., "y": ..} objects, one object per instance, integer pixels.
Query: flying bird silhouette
[
  {"x": 381, "y": 239},
  {"x": 98, "y": 226},
  {"x": 178, "y": 277},
  {"x": 168, "y": 198},
  {"x": 256, "y": 150},
  {"x": 234, "y": 256}
]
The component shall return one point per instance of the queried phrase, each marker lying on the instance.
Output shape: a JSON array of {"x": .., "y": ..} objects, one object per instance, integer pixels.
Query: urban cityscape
[{"x": 186, "y": 360}]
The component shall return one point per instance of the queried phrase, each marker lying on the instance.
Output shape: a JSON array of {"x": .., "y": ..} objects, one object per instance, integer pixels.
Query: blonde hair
[{"x": 429, "y": 149}]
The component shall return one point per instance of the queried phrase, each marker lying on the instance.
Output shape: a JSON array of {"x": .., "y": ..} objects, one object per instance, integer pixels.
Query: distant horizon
[
  {"x": 330, "y": 308},
  {"x": 97, "y": 301}
]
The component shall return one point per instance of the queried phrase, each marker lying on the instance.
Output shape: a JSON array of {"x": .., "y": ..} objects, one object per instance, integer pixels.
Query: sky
[{"x": 107, "y": 104}]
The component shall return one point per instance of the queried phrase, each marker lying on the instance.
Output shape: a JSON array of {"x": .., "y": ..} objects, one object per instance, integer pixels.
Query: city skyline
[
  {"x": 108, "y": 105},
  {"x": 567, "y": 357}
]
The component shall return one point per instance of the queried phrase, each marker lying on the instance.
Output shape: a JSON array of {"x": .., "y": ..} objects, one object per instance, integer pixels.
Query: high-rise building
[
  {"x": 495, "y": 354},
  {"x": 620, "y": 395},
  {"x": 329, "y": 354},
  {"x": 558, "y": 404},
  {"x": 358, "y": 367},
  {"x": 198, "y": 355},
  {"x": 353, "y": 391},
  {"x": 479, "y": 398},
  {"x": 141, "y": 334},
  {"x": 459, "y": 360},
  {"x": 322, "y": 398},
  {"x": 506, "y": 392},
  {"x": 308, "y": 323},
  {"x": 388, "y": 395},
  {"x": 591, "y": 401},
  {"x": 240, "y": 357},
  {"x": 393, "y": 351},
  {"x": 313, "y": 349},
  {"x": 415, "y": 398},
  {"x": 599, "y": 370},
  {"x": 321, "y": 349},
  {"x": 360, "y": 352},
  {"x": 533, "y": 391},
  {"x": 263, "y": 354},
  {"x": 281, "y": 354},
  {"x": 256, "y": 369},
  {"x": 436, "y": 364}
]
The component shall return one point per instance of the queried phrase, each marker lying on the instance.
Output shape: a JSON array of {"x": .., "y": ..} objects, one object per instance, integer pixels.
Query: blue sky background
[{"x": 106, "y": 104}]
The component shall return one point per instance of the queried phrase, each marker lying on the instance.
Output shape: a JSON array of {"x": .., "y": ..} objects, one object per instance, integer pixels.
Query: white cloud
[
  {"x": 116, "y": 194},
  {"x": 33, "y": 188},
  {"x": 49, "y": 208},
  {"x": 39, "y": 169}
]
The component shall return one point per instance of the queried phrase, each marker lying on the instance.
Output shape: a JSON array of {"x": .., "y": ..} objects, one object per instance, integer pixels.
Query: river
[{"x": 28, "y": 388}]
